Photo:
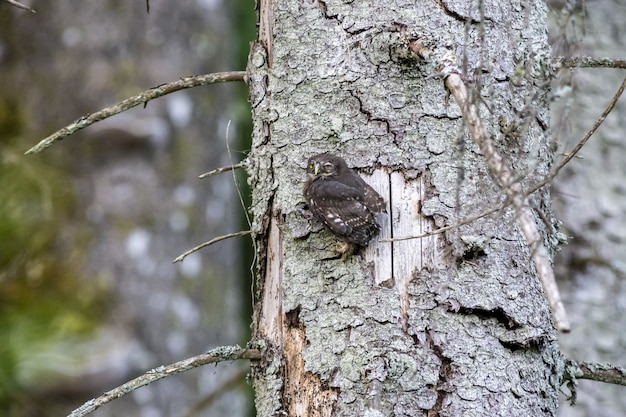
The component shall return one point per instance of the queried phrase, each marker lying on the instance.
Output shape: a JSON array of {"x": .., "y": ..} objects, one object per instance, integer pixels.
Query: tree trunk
[{"x": 452, "y": 324}]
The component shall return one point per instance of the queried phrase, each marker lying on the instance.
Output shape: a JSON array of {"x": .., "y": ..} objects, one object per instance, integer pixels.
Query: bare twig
[
  {"x": 587, "y": 62},
  {"x": 20, "y": 5},
  {"x": 210, "y": 242},
  {"x": 222, "y": 169},
  {"x": 151, "y": 94},
  {"x": 502, "y": 173},
  {"x": 463, "y": 222},
  {"x": 239, "y": 193},
  {"x": 221, "y": 354},
  {"x": 584, "y": 140}
]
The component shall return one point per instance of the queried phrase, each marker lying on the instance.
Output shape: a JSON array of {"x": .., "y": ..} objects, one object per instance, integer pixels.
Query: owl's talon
[{"x": 345, "y": 249}]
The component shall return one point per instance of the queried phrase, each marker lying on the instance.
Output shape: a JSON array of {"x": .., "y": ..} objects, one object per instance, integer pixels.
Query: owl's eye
[
  {"x": 328, "y": 167},
  {"x": 310, "y": 166}
]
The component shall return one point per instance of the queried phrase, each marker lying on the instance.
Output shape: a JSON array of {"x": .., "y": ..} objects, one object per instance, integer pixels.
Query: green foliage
[{"x": 45, "y": 303}]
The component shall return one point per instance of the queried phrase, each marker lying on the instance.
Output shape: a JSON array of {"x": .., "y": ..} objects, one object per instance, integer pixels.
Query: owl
[{"x": 342, "y": 200}]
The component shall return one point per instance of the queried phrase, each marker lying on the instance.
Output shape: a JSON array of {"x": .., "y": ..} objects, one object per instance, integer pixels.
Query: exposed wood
[
  {"x": 304, "y": 394},
  {"x": 378, "y": 254},
  {"x": 271, "y": 321}
]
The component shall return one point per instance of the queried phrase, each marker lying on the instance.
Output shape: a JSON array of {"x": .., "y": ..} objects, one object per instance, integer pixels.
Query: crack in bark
[
  {"x": 292, "y": 318},
  {"x": 445, "y": 371},
  {"x": 495, "y": 313},
  {"x": 472, "y": 253},
  {"x": 456, "y": 15},
  {"x": 369, "y": 118},
  {"x": 534, "y": 344}
]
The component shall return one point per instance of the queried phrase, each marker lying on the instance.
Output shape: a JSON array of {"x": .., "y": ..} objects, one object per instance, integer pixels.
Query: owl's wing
[
  {"x": 369, "y": 196},
  {"x": 373, "y": 200},
  {"x": 342, "y": 209}
]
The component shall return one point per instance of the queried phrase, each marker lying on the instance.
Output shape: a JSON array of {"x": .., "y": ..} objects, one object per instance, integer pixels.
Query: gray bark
[{"x": 449, "y": 325}]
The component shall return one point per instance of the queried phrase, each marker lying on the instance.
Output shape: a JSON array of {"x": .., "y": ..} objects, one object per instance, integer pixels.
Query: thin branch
[
  {"x": 587, "y": 62},
  {"x": 228, "y": 353},
  {"x": 602, "y": 372},
  {"x": 502, "y": 173},
  {"x": 584, "y": 140},
  {"x": 210, "y": 242},
  {"x": 222, "y": 169},
  {"x": 463, "y": 222},
  {"x": 239, "y": 193},
  {"x": 143, "y": 98},
  {"x": 20, "y": 5}
]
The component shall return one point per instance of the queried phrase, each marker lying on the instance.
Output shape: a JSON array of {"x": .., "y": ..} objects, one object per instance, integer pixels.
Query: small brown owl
[{"x": 342, "y": 200}]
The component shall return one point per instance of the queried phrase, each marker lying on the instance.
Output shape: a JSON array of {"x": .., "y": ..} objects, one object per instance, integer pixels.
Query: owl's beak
[{"x": 316, "y": 168}]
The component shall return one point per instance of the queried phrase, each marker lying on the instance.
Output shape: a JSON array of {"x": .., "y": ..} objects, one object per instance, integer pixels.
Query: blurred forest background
[{"x": 89, "y": 297}]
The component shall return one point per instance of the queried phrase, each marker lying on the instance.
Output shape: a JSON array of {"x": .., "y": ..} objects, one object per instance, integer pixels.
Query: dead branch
[
  {"x": 143, "y": 98},
  {"x": 587, "y": 62},
  {"x": 210, "y": 242},
  {"x": 602, "y": 372},
  {"x": 584, "y": 140},
  {"x": 222, "y": 169},
  {"x": 501, "y": 172},
  {"x": 221, "y": 354},
  {"x": 463, "y": 222},
  {"x": 20, "y": 5}
]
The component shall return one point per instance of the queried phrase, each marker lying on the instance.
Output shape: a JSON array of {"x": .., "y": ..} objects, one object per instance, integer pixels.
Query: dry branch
[
  {"x": 210, "y": 242},
  {"x": 221, "y": 354},
  {"x": 151, "y": 94},
  {"x": 602, "y": 372},
  {"x": 585, "y": 138},
  {"x": 463, "y": 222},
  {"x": 20, "y": 5},
  {"x": 221, "y": 170},
  {"x": 587, "y": 62},
  {"x": 501, "y": 172}
]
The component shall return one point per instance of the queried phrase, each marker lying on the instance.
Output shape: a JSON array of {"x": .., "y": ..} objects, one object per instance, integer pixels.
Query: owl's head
[{"x": 324, "y": 165}]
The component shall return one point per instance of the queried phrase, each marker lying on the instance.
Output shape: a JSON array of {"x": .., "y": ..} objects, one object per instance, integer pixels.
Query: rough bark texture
[{"x": 450, "y": 325}]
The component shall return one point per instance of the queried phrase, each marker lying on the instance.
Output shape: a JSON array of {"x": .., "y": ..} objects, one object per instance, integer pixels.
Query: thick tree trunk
[{"x": 453, "y": 324}]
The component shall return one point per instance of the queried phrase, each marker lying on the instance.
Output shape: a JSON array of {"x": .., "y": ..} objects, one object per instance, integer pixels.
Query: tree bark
[{"x": 452, "y": 324}]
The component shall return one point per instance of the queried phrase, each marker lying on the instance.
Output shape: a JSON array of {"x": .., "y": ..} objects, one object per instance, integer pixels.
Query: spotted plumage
[{"x": 341, "y": 199}]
